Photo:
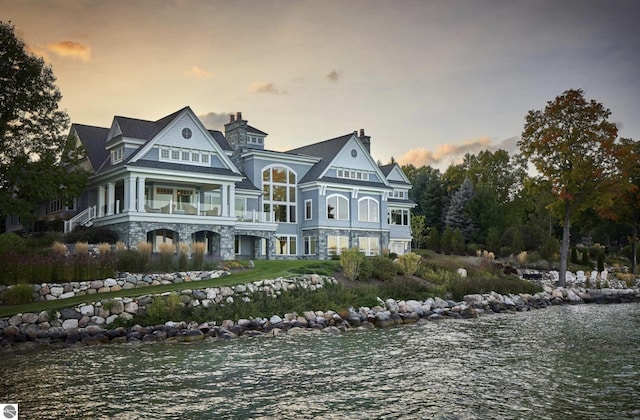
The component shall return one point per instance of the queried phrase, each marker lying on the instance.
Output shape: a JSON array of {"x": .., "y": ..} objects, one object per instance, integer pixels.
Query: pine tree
[{"x": 457, "y": 216}]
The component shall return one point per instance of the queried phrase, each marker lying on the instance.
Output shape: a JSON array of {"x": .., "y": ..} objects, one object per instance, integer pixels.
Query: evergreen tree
[
  {"x": 457, "y": 241},
  {"x": 445, "y": 240},
  {"x": 433, "y": 241},
  {"x": 457, "y": 215}
]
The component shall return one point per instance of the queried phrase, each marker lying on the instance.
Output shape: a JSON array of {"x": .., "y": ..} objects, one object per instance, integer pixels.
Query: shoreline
[{"x": 87, "y": 324}]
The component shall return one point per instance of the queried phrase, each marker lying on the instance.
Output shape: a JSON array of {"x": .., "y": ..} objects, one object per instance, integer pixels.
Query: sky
[{"x": 428, "y": 80}]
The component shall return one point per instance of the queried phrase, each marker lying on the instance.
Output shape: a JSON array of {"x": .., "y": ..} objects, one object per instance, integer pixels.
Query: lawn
[{"x": 263, "y": 270}]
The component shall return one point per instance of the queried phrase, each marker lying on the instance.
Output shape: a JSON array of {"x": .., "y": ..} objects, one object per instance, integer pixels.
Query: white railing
[{"x": 81, "y": 218}]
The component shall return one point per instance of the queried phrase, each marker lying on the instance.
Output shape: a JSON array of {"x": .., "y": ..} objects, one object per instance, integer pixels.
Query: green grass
[{"x": 263, "y": 270}]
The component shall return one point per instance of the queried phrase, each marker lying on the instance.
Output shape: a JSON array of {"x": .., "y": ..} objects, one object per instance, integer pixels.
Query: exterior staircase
[{"x": 84, "y": 218}]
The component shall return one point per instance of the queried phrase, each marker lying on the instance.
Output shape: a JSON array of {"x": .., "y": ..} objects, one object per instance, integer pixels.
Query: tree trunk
[
  {"x": 564, "y": 249},
  {"x": 634, "y": 244}
]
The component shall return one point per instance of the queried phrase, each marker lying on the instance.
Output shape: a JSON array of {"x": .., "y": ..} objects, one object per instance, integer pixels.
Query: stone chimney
[
  {"x": 235, "y": 132},
  {"x": 365, "y": 140}
]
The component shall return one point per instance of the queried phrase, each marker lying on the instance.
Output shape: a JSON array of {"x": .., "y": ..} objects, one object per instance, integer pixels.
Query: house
[{"x": 173, "y": 180}]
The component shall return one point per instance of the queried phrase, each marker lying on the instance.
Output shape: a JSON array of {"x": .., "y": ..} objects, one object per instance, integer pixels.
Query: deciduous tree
[
  {"x": 35, "y": 155},
  {"x": 571, "y": 143}
]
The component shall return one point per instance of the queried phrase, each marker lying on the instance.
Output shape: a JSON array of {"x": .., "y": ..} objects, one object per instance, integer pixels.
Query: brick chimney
[{"x": 365, "y": 140}]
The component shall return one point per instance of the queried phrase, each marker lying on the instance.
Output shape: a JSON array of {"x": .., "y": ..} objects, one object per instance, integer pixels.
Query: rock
[
  {"x": 70, "y": 313},
  {"x": 131, "y": 307},
  {"x": 57, "y": 291},
  {"x": 109, "y": 282},
  {"x": 96, "y": 284},
  {"x": 275, "y": 319},
  {"x": 440, "y": 303},
  {"x": 117, "y": 307},
  {"x": 29, "y": 318},
  {"x": 70, "y": 324},
  {"x": 88, "y": 310}
]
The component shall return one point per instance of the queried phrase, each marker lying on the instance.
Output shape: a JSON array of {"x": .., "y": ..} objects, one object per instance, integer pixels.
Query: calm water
[{"x": 562, "y": 363}]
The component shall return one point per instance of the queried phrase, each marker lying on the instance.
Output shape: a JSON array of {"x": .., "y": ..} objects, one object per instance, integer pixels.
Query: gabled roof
[
  {"x": 387, "y": 169},
  {"x": 220, "y": 139},
  {"x": 325, "y": 150},
  {"x": 93, "y": 139},
  {"x": 142, "y": 129}
]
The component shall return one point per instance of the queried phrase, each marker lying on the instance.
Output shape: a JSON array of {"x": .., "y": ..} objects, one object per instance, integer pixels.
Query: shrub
[
  {"x": 19, "y": 294},
  {"x": 366, "y": 269},
  {"x": 144, "y": 251},
  {"x": 384, "y": 268},
  {"x": 585, "y": 258},
  {"x": 92, "y": 235},
  {"x": 522, "y": 258},
  {"x": 392, "y": 256},
  {"x": 350, "y": 261},
  {"x": 574, "y": 256},
  {"x": 409, "y": 263},
  {"x": 600, "y": 262},
  {"x": 457, "y": 242},
  {"x": 502, "y": 284},
  {"x": 197, "y": 254},
  {"x": 433, "y": 240},
  {"x": 10, "y": 241},
  {"x": 166, "y": 255},
  {"x": 82, "y": 247},
  {"x": 163, "y": 309},
  {"x": 120, "y": 246},
  {"x": 183, "y": 255},
  {"x": 445, "y": 240},
  {"x": 59, "y": 248}
]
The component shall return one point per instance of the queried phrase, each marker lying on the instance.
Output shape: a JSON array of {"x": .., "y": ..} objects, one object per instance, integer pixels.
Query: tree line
[{"x": 585, "y": 187}]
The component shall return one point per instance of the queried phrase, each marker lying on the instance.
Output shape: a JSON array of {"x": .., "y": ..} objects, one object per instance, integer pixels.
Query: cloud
[
  {"x": 70, "y": 49},
  {"x": 334, "y": 76},
  {"x": 420, "y": 156},
  {"x": 199, "y": 73},
  {"x": 509, "y": 145},
  {"x": 268, "y": 88},
  {"x": 215, "y": 121}
]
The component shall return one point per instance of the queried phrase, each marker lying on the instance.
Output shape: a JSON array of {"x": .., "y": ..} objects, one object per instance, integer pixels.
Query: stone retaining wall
[
  {"x": 53, "y": 291},
  {"x": 88, "y": 323}
]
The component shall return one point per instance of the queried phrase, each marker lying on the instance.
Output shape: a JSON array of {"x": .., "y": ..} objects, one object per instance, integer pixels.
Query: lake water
[{"x": 566, "y": 362}]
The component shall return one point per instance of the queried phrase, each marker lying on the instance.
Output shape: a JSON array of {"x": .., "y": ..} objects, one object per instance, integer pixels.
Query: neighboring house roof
[
  {"x": 325, "y": 150},
  {"x": 93, "y": 139},
  {"x": 386, "y": 169}
]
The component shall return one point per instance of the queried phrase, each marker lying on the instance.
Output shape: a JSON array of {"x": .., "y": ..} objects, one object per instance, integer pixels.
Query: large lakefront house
[{"x": 172, "y": 180}]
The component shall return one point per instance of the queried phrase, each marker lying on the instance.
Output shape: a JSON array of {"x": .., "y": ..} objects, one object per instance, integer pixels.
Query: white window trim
[
  {"x": 308, "y": 203},
  {"x": 368, "y": 218},
  {"x": 336, "y": 210}
]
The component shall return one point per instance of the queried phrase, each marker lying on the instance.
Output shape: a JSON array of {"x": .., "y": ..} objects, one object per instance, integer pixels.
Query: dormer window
[
  {"x": 186, "y": 133},
  {"x": 117, "y": 155}
]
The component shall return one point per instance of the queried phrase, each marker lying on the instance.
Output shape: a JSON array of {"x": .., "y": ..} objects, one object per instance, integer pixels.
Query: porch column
[
  {"x": 100, "y": 200},
  {"x": 111, "y": 198},
  {"x": 232, "y": 200},
  {"x": 130, "y": 193},
  {"x": 225, "y": 201},
  {"x": 141, "y": 201}
]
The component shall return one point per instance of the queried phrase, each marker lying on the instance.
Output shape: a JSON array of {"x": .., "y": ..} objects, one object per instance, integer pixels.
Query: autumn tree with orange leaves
[
  {"x": 571, "y": 143},
  {"x": 624, "y": 204}
]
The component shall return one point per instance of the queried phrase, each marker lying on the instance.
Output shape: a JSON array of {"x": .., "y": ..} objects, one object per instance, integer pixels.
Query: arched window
[
  {"x": 368, "y": 210},
  {"x": 337, "y": 207},
  {"x": 279, "y": 194}
]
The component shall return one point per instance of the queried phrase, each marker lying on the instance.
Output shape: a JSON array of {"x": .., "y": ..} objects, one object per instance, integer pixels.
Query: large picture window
[
  {"x": 286, "y": 245},
  {"x": 368, "y": 210},
  {"x": 279, "y": 194},
  {"x": 369, "y": 246},
  {"x": 335, "y": 244},
  {"x": 399, "y": 217},
  {"x": 337, "y": 207}
]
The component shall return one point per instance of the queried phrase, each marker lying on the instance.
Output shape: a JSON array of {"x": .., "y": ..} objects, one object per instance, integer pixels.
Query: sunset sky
[{"x": 427, "y": 80}]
